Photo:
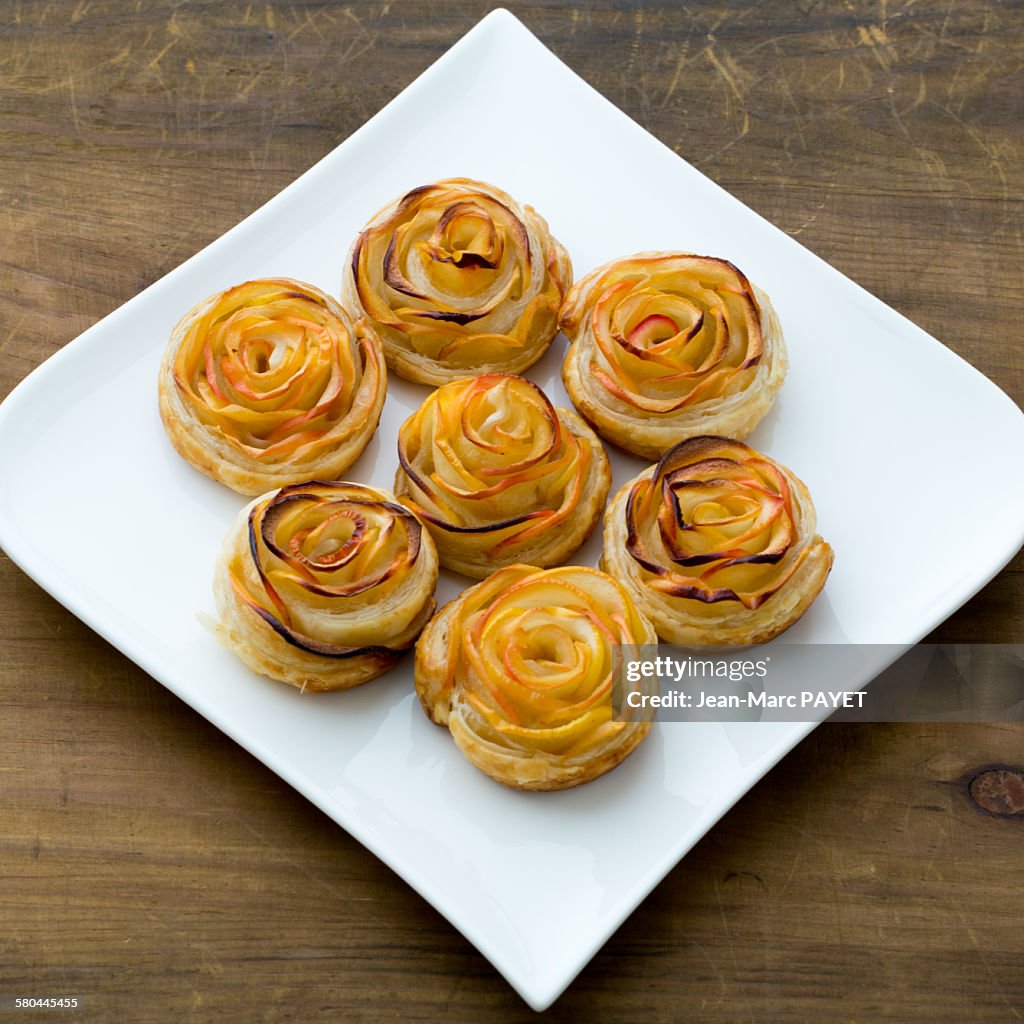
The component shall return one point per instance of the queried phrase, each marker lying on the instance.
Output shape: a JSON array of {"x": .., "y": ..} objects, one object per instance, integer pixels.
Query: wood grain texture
[{"x": 154, "y": 868}]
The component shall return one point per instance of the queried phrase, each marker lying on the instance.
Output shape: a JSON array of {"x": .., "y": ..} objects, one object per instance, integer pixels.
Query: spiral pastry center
[{"x": 466, "y": 238}]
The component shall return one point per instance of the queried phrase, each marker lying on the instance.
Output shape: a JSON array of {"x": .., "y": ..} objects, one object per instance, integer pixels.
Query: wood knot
[{"x": 999, "y": 791}]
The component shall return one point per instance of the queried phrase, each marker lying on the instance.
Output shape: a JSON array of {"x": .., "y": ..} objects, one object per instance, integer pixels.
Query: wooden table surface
[{"x": 152, "y": 867}]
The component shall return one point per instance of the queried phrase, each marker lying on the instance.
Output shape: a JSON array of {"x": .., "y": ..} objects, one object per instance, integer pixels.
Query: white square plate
[{"x": 912, "y": 456}]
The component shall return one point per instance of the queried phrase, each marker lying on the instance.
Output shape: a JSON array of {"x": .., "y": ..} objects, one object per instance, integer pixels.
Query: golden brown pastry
[
  {"x": 716, "y": 544},
  {"x": 459, "y": 279},
  {"x": 500, "y": 476},
  {"x": 270, "y": 383},
  {"x": 668, "y": 345},
  {"x": 324, "y": 585},
  {"x": 520, "y": 669}
]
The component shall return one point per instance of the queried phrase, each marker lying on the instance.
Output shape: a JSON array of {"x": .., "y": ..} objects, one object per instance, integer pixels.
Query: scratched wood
[{"x": 150, "y": 866}]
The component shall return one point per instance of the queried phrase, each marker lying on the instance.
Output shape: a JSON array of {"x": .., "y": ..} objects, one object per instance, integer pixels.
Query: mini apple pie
[
  {"x": 270, "y": 383},
  {"x": 324, "y": 585},
  {"x": 498, "y": 475},
  {"x": 668, "y": 345},
  {"x": 458, "y": 278},
  {"x": 717, "y": 544},
  {"x": 520, "y": 668}
]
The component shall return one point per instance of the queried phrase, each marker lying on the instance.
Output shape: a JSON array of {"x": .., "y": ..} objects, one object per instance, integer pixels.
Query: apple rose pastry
[
  {"x": 324, "y": 585},
  {"x": 459, "y": 279},
  {"x": 520, "y": 669},
  {"x": 667, "y": 346},
  {"x": 500, "y": 476},
  {"x": 271, "y": 383},
  {"x": 716, "y": 544}
]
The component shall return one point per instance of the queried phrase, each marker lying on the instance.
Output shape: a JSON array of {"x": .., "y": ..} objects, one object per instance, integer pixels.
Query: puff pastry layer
[
  {"x": 324, "y": 585},
  {"x": 519, "y": 668},
  {"x": 500, "y": 476},
  {"x": 668, "y": 345},
  {"x": 270, "y": 383},
  {"x": 716, "y": 544},
  {"x": 459, "y": 279}
]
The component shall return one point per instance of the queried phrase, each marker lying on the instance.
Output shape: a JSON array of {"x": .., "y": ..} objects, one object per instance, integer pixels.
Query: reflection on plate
[{"x": 537, "y": 882}]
